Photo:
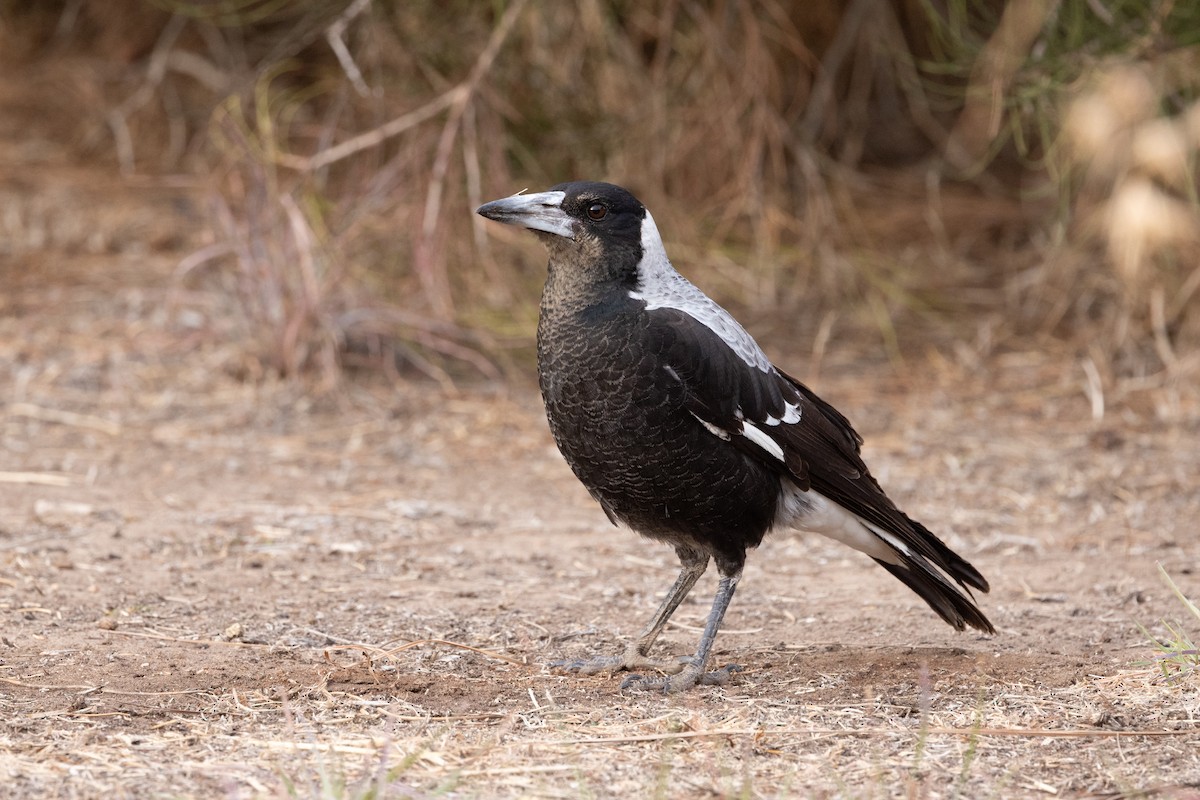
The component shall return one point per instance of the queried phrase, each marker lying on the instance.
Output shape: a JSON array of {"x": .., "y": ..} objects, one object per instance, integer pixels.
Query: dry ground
[{"x": 216, "y": 589}]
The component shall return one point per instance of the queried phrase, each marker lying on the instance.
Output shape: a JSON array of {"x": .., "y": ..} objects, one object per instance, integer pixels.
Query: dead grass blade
[
  {"x": 460, "y": 646},
  {"x": 35, "y": 478},
  {"x": 1049, "y": 733},
  {"x": 391, "y": 651},
  {"x": 87, "y": 690},
  {"x": 61, "y": 417},
  {"x": 202, "y": 642}
]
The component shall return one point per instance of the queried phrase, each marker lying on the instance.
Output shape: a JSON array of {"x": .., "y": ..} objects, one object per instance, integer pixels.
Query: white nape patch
[
  {"x": 661, "y": 286},
  {"x": 713, "y": 429},
  {"x": 813, "y": 511},
  {"x": 791, "y": 415},
  {"x": 762, "y": 440}
]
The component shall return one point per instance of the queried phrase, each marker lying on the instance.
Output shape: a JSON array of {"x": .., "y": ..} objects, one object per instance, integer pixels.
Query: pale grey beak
[{"x": 538, "y": 212}]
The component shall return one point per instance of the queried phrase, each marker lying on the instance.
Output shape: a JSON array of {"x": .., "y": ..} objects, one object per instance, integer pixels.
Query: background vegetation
[
  {"x": 971, "y": 173},
  {"x": 217, "y": 579}
]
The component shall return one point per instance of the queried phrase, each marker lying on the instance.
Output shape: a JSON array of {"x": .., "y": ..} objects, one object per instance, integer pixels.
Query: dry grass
[
  {"x": 226, "y": 589},
  {"x": 216, "y": 586},
  {"x": 350, "y": 143},
  {"x": 1178, "y": 657},
  {"x": 1011, "y": 739}
]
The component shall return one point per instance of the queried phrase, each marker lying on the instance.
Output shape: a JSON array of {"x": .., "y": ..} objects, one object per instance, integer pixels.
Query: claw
[
  {"x": 720, "y": 676},
  {"x": 685, "y": 679},
  {"x": 633, "y": 681}
]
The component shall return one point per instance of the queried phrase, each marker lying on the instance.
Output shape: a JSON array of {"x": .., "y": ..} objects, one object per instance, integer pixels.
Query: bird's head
[{"x": 598, "y": 228}]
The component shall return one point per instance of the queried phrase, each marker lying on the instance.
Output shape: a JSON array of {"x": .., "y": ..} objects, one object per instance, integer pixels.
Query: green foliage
[
  {"x": 1078, "y": 37},
  {"x": 243, "y": 13},
  {"x": 1178, "y": 656}
]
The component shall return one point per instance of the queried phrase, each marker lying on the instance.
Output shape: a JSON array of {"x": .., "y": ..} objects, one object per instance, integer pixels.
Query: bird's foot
[
  {"x": 627, "y": 662},
  {"x": 691, "y": 675}
]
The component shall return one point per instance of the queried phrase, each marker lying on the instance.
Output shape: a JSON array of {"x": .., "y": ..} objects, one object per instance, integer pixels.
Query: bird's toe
[
  {"x": 719, "y": 677},
  {"x": 597, "y": 665},
  {"x": 691, "y": 675}
]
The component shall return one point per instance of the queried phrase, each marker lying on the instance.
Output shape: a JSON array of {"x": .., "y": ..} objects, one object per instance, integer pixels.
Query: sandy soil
[{"x": 213, "y": 588}]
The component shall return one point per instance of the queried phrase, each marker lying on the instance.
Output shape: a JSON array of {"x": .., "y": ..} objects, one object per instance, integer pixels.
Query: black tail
[
  {"x": 953, "y": 604},
  {"x": 955, "y": 565}
]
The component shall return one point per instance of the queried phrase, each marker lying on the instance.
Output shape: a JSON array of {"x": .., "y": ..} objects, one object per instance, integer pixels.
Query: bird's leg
[
  {"x": 693, "y": 671},
  {"x": 693, "y": 564}
]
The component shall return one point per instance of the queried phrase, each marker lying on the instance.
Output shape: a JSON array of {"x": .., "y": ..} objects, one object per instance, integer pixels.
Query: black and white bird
[{"x": 679, "y": 425}]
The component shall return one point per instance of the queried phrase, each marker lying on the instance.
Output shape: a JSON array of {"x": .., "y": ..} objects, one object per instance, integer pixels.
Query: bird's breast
[
  {"x": 599, "y": 380},
  {"x": 617, "y": 412}
]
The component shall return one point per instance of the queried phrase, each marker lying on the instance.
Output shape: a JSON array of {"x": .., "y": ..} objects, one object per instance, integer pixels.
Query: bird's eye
[{"x": 597, "y": 212}]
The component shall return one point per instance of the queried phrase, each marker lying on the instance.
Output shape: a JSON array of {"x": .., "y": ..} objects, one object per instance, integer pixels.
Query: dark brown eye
[{"x": 597, "y": 212}]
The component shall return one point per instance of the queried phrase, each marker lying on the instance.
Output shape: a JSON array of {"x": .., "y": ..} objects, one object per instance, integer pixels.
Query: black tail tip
[{"x": 953, "y": 605}]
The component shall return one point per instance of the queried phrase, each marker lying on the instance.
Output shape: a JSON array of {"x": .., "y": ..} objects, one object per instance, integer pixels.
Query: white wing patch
[
  {"x": 791, "y": 415},
  {"x": 713, "y": 429},
  {"x": 661, "y": 286},
  {"x": 762, "y": 440},
  {"x": 750, "y": 431}
]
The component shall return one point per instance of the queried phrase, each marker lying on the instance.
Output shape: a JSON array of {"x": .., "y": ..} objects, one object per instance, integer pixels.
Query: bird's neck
[{"x": 572, "y": 289}]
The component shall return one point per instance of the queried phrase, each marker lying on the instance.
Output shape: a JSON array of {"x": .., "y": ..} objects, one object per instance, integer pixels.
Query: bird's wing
[
  {"x": 776, "y": 419},
  {"x": 761, "y": 411}
]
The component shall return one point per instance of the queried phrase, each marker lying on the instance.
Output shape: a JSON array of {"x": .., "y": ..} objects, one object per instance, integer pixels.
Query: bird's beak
[{"x": 539, "y": 212}]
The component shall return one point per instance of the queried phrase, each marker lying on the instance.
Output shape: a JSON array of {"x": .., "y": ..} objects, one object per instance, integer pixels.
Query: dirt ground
[{"x": 211, "y": 588}]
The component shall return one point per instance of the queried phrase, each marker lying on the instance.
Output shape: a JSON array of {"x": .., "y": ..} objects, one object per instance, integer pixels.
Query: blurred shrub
[
  {"x": 1131, "y": 146},
  {"x": 909, "y": 157}
]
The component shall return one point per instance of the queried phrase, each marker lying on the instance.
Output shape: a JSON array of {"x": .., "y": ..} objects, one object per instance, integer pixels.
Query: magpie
[{"x": 680, "y": 426}]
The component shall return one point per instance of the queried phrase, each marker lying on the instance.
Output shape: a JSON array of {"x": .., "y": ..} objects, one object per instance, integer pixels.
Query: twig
[
  {"x": 198, "y": 258},
  {"x": 1094, "y": 388},
  {"x": 1158, "y": 321},
  {"x": 1100, "y": 11},
  {"x": 308, "y": 299},
  {"x": 434, "y": 282},
  {"x": 333, "y": 35},
  {"x": 342, "y": 644},
  {"x": 1071, "y": 733},
  {"x": 205, "y": 642},
  {"x": 35, "y": 478},
  {"x": 329, "y": 636},
  {"x": 86, "y": 690},
  {"x": 455, "y": 97},
  {"x": 525, "y": 770},
  {"x": 64, "y": 418},
  {"x": 475, "y": 198},
  {"x": 995, "y": 69},
  {"x": 432, "y": 334},
  {"x": 831, "y": 64},
  {"x": 448, "y": 643},
  {"x": 66, "y": 20},
  {"x": 118, "y": 117},
  {"x": 374, "y": 137},
  {"x": 201, "y": 70}
]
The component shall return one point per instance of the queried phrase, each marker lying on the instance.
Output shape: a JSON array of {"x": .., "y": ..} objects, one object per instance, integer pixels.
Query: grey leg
[
  {"x": 693, "y": 565},
  {"x": 693, "y": 671}
]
